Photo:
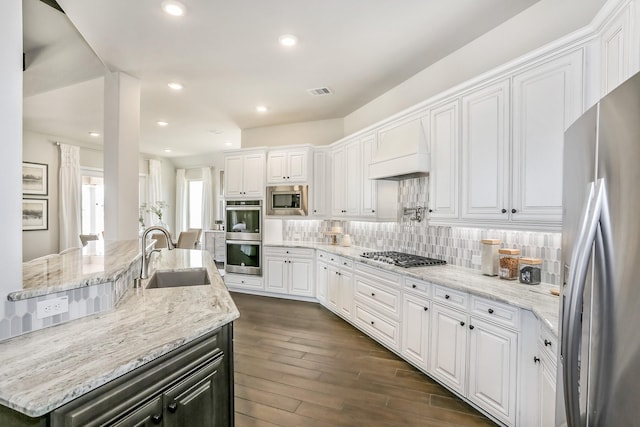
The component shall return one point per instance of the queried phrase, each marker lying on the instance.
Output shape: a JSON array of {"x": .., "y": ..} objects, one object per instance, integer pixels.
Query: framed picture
[
  {"x": 35, "y": 214},
  {"x": 35, "y": 179}
]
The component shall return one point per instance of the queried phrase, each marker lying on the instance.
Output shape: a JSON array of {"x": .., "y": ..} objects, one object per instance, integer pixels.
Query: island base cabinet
[{"x": 192, "y": 386}]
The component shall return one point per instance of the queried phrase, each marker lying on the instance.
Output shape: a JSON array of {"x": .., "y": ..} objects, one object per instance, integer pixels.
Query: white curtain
[
  {"x": 207, "y": 199},
  {"x": 155, "y": 188},
  {"x": 70, "y": 218},
  {"x": 181, "y": 201}
]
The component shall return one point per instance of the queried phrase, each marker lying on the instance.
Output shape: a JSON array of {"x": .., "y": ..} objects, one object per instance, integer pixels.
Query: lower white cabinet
[
  {"x": 322, "y": 279},
  {"x": 339, "y": 282},
  {"x": 449, "y": 347},
  {"x": 547, "y": 366},
  {"x": 243, "y": 282},
  {"x": 416, "y": 319},
  {"x": 289, "y": 271}
]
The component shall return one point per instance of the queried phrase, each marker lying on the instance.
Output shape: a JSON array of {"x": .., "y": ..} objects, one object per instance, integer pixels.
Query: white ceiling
[{"x": 227, "y": 56}]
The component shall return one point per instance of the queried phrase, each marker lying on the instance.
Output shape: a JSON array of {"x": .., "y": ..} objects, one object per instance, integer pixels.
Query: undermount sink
[{"x": 172, "y": 279}]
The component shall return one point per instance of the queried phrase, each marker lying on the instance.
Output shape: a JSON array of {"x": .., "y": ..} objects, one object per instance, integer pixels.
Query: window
[
  {"x": 92, "y": 201},
  {"x": 194, "y": 197}
]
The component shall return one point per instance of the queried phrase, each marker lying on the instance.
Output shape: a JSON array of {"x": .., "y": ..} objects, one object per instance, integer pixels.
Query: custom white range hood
[{"x": 402, "y": 152}]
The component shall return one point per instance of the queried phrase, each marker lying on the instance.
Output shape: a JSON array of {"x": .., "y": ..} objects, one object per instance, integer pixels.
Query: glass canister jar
[
  {"x": 530, "y": 270},
  {"x": 490, "y": 256},
  {"x": 508, "y": 263}
]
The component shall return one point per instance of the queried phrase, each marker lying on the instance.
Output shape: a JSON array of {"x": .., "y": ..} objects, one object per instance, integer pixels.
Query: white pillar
[
  {"x": 121, "y": 141},
  {"x": 11, "y": 170}
]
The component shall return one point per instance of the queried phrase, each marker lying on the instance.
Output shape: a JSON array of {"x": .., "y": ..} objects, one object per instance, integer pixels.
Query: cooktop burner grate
[{"x": 402, "y": 259}]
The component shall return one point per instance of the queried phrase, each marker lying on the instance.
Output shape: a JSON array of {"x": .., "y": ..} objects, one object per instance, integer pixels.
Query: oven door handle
[
  {"x": 245, "y": 242},
  {"x": 244, "y": 208}
]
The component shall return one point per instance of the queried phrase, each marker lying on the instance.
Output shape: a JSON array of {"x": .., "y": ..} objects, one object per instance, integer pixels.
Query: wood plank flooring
[{"x": 298, "y": 364}]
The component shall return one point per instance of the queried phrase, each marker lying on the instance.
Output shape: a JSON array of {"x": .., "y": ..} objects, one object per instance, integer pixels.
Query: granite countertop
[
  {"x": 536, "y": 298},
  {"x": 99, "y": 262},
  {"x": 45, "y": 369}
]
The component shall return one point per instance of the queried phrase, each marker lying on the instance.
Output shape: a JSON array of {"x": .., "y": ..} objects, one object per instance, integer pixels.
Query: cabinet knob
[
  {"x": 314, "y": 211},
  {"x": 536, "y": 359},
  {"x": 372, "y": 322},
  {"x": 430, "y": 210},
  {"x": 284, "y": 177},
  {"x": 490, "y": 311},
  {"x": 173, "y": 407},
  {"x": 413, "y": 286},
  {"x": 514, "y": 210},
  {"x": 372, "y": 294},
  {"x": 461, "y": 323},
  {"x": 447, "y": 296},
  {"x": 324, "y": 268},
  {"x": 503, "y": 211},
  {"x": 471, "y": 327},
  {"x": 547, "y": 343},
  {"x": 373, "y": 211},
  {"x": 156, "y": 419},
  {"x": 288, "y": 178},
  {"x": 426, "y": 308},
  {"x": 345, "y": 263},
  {"x": 287, "y": 251}
]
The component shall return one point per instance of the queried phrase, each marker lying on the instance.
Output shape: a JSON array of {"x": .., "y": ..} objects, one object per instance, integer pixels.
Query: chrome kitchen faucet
[{"x": 144, "y": 270}]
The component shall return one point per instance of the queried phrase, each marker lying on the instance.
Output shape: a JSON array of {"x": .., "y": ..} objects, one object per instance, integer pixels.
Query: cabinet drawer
[
  {"x": 288, "y": 252},
  {"x": 417, "y": 286},
  {"x": 378, "y": 296},
  {"x": 384, "y": 330},
  {"x": 247, "y": 282},
  {"x": 496, "y": 312},
  {"x": 548, "y": 344},
  {"x": 322, "y": 256},
  {"x": 391, "y": 279},
  {"x": 450, "y": 297}
]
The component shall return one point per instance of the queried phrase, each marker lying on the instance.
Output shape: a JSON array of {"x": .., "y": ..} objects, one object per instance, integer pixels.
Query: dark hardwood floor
[{"x": 298, "y": 364}]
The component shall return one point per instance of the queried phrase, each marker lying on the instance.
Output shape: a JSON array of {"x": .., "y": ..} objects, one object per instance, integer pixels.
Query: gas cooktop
[{"x": 401, "y": 259}]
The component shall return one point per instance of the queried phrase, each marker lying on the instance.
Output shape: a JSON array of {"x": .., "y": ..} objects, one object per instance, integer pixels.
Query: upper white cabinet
[
  {"x": 547, "y": 98},
  {"x": 444, "y": 131},
  {"x": 244, "y": 175},
  {"x": 346, "y": 175},
  {"x": 616, "y": 51},
  {"x": 288, "y": 166},
  {"x": 485, "y": 152},
  {"x": 319, "y": 191}
]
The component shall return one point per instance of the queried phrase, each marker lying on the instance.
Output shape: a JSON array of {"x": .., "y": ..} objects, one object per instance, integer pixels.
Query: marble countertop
[
  {"x": 536, "y": 298},
  {"x": 45, "y": 369},
  {"x": 99, "y": 262}
]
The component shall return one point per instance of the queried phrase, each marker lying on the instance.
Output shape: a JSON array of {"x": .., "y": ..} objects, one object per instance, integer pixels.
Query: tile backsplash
[{"x": 456, "y": 245}]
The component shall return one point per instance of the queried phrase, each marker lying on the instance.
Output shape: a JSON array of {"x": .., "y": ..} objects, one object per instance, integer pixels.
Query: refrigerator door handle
[{"x": 571, "y": 324}]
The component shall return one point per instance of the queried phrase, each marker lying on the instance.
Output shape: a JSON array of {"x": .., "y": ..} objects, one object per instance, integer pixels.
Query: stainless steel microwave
[{"x": 287, "y": 200}]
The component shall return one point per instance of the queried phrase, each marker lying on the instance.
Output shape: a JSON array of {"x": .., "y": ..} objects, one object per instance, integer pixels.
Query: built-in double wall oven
[{"x": 244, "y": 237}]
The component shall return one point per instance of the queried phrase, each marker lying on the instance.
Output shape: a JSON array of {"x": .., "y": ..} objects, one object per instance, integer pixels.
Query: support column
[
  {"x": 121, "y": 142},
  {"x": 11, "y": 170}
]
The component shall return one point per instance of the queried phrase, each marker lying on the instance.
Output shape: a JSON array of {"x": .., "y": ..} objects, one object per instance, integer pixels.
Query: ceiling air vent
[{"x": 320, "y": 91}]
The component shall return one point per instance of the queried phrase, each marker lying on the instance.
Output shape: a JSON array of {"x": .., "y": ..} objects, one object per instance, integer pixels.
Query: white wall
[
  {"x": 321, "y": 132},
  {"x": 538, "y": 25}
]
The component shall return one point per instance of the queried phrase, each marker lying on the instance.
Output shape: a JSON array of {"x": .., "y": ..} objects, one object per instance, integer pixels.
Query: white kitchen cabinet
[
  {"x": 322, "y": 280},
  {"x": 244, "y": 175},
  {"x": 616, "y": 50},
  {"x": 346, "y": 179},
  {"x": 416, "y": 316},
  {"x": 378, "y": 198},
  {"x": 319, "y": 189},
  {"x": 288, "y": 166},
  {"x": 448, "y": 358},
  {"x": 544, "y": 410},
  {"x": 244, "y": 282},
  {"x": 289, "y": 271},
  {"x": 547, "y": 98},
  {"x": 445, "y": 142},
  {"x": 377, "y": 326},
  {"x": 214, "y": 242},
  {"x": 340, "y": 286},
  {"x": 493, "y": 355},
  {"x": 485, "y": 152}
]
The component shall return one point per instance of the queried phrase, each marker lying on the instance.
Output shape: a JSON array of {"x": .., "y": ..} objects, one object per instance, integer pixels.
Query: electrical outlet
[
  {"x": 476, "y": 260},
  {"x": 51, "y": 307}
]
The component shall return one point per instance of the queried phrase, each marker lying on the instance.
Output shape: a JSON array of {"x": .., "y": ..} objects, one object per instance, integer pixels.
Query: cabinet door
[
  {"x": 493, "y": 354},
  {"x": 485, "y": 153},
  {"x": 321, "y": 184},
  {"x": 149, "y": 415},
  {"x": 233, "y": 176},
  {"x": 276, "y": 167},
  {"x": 322, "y": 279},
  {"x": 368, "y": 200},
  {"x": 616, "y": 51},
  {"x": 449, "y": 346},
  {"x": 547, "y": 393},
  {"x": 275, "y": 267},
  {"x": 333, "y": 290},
  {"x": 338, "y": 176},
  {"x": 253, "y": 178},
  {"x": 443, "y": 179},
  {"x": 353, "y": 177},
  {"x": 547, "y": 99},
  {"x": 346, "y": 294},
  {"x": 196, "y": 401},
  {"x": 301, "y": 276},
  {"x": 297, "y": 165},
  {"x": 415, "y": 331}
]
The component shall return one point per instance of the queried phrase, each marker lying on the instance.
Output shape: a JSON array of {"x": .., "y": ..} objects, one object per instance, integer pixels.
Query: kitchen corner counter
[
  {"x": 536, "y": 298},
  {"x": 45, "y": 369}
]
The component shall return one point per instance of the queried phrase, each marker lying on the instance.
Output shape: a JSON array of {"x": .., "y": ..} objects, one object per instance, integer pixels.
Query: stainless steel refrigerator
[{"x": 599, "y": 364}]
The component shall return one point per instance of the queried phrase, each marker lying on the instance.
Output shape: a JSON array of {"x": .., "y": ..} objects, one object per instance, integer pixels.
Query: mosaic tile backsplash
[{"x": 456, "y": 245}]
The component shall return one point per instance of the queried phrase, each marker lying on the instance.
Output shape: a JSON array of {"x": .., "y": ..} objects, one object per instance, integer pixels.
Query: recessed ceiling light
[
  {"x": 175, "y": 86},
  {"x": 173, "y": 7},
  {"x": 167, "y": 150},
  {"x": 288, "y": 40},
  {"x": 261, "y": 109},
  {"x": 94, "y": 134},
  {"x": 228, "y": 144},
  {"x": 216, "y": 131},
  {"x": 162, "y": 123}
]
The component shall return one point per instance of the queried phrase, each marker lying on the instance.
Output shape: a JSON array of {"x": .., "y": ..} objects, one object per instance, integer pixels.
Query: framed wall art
[
  {"x": 35, "y": 214},
  {"x": 35, "y": 179}
]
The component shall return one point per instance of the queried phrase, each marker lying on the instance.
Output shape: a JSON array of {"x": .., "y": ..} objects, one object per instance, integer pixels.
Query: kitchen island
[{"x": 44, "y": 370}]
